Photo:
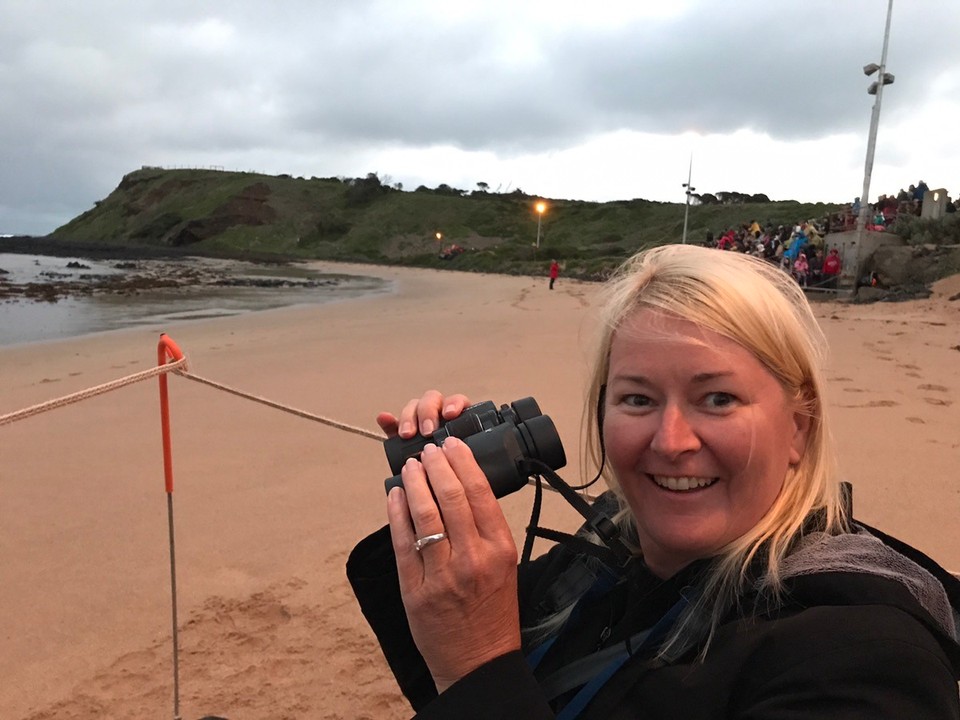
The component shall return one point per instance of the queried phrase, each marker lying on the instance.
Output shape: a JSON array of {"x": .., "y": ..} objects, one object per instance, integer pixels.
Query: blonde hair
[{"x": 763, "y": 309}]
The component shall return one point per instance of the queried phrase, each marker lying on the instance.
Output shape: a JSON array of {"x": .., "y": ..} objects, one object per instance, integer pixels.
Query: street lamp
[
  {"x": 876, "y": 89},
  {"x": 540, "y": 207},
  {"x": 689, "y": 190}
]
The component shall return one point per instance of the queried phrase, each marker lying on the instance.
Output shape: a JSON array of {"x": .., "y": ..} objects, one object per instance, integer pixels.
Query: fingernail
[
  {"x": 395, "y": 495},
  {"x": 406, "y": 428},
  {"x": 449, "y": 409},
  {"x": 411, "y": 462},
  {"x": 428, "y": 427},
  {"x": 451, "y": 442},
  {"x": 429, "y": 449}
]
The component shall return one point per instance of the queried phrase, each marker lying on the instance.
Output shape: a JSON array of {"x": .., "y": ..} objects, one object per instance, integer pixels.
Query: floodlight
[{"x": 870, "y": 69}]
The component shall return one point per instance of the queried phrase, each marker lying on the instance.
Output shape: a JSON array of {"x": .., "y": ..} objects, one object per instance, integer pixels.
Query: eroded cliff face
[
  {"x": 143, "y": 197},
  {"x": 905, "y": 272}
]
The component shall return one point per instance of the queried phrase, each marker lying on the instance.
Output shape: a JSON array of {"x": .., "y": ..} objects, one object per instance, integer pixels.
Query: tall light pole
[
  {"x": 876, "y": 88},
  {"x": 540, "y": 207},
  {"x": 689, "y": 191}
]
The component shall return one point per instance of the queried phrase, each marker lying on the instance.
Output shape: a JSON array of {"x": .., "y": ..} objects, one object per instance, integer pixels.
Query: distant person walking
[{"x": 554, "y": 272}]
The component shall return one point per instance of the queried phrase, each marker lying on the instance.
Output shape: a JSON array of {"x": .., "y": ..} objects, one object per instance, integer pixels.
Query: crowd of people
[
  {"x": 887, "y": 209},
  {"x": 799, "y": 249}
]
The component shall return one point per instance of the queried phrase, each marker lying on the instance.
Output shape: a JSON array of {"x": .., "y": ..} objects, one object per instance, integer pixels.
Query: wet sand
[{"x": 268, "y": 505}]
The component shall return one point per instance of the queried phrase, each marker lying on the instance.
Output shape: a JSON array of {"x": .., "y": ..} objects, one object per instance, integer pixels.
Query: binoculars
[{"x": 501, "y": 440}]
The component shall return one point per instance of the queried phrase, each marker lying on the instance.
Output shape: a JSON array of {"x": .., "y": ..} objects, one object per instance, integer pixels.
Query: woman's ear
[{"x": 801, "y": 432}]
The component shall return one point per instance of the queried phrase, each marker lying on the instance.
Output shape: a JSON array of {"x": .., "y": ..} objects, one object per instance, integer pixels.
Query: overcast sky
[{"x": 595, "y": 100}]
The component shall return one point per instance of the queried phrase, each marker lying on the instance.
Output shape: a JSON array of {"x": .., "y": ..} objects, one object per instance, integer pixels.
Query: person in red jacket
[
  {"x": 831, "y": 268},
  {"x": 554, "y": 272}
]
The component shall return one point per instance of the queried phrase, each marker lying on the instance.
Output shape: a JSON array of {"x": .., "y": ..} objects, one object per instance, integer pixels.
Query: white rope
[
  {"x": 285, "y": 408},
  {"x": 179, "y": 368},
  {"x": 91, "y": 392}
]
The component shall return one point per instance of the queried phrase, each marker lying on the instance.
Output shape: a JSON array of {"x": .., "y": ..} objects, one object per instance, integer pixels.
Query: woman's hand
[
  {"x": 460, "y": 594},
  {"x": 422, "y": 414}
]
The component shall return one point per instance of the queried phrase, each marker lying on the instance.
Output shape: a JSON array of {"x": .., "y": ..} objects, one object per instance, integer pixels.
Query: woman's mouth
[{"x": 682, "y": 484}]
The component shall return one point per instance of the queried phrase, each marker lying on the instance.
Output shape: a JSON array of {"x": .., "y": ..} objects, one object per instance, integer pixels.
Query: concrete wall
[
  {"x": 934, "y": 204},
  {"x": 853, "y": 251}
]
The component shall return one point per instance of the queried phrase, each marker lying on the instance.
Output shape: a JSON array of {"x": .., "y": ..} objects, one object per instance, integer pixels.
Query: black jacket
[{"x": 846, "y": 643}]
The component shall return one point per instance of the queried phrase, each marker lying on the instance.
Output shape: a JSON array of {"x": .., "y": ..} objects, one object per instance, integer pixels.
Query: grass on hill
[{"x": 248, "y": 215}]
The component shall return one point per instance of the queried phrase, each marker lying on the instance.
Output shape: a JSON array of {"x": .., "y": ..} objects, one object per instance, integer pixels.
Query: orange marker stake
[{"x": 168, "y": 350}]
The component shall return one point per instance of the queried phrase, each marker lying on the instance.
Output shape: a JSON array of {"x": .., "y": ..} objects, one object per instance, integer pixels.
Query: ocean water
[{"x": 25, "y": 321}]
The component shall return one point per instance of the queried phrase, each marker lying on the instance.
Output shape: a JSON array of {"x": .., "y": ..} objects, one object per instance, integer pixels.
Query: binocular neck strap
[{"x": 613, "y": 552}]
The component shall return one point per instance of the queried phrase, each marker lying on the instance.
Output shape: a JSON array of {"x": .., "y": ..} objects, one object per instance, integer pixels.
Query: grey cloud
[{"x": 96, "y": 89}]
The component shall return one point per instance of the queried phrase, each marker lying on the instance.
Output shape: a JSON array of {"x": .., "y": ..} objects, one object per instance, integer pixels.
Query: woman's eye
[
  {"x": 635, "y": 400},
  {"x": 719, "y": 400}
]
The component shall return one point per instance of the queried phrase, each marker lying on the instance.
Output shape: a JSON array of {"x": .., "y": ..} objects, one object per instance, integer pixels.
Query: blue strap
[
  {"x": 655, "y": 636},
  {"x": 573, "y": 708},
  {"x": 603, "y": 584},
  {"x": 538, "y": 653}
]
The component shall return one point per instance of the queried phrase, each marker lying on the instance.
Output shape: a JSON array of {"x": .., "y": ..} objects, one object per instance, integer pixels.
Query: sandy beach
[{"x": 268, "y": 505}]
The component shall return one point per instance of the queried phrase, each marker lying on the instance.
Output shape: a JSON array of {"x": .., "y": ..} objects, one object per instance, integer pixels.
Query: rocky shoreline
[{"x": 132, "y": 277}]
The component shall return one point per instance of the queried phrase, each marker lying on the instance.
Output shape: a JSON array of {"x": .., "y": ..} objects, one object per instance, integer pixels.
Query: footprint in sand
[
  {"x": 520, "y": 298},
  {"x": 74, "y": 374},
  {"x": 913, "y": 374},
  {"x": 916, "y": 420},
  {"x": 935, "y": 388},
  {"x": 841, "y": 379},
  {"x": 854, "y": 390},
  {"x": 49, "y": 380},
  {"x": 938, "y": 401},
  {"x": 874, "y": 404},
  {"x": 908, "y": 367},
  {"x": 878, "y": 350}
]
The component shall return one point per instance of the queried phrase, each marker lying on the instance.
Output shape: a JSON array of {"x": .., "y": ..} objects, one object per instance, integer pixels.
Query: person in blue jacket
[{"x": 751, "y": 591}]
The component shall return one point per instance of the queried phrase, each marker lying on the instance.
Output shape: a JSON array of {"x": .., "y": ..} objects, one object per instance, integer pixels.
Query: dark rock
[{"x": 867, "y": 294}]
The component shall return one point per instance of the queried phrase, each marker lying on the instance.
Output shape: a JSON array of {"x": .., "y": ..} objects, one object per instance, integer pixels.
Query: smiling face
[{"x": 699, "y": 434}]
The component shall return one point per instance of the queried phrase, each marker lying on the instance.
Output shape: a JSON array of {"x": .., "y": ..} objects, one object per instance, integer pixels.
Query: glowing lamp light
[{"x": 540, "y": 207}]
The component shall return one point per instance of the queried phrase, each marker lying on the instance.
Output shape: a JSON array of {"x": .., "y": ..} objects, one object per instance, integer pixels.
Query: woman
[{"x": 751, "y": 593}]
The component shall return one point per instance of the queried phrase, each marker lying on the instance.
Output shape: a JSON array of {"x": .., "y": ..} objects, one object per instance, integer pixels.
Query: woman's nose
[{"x": 675, "y": 435}]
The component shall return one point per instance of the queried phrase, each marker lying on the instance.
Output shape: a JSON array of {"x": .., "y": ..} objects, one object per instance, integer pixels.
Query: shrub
[{"x": 917, "y": 231}]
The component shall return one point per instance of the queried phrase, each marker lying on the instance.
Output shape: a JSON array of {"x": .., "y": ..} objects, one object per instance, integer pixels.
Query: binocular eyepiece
[{"x": 500, "y": 440}]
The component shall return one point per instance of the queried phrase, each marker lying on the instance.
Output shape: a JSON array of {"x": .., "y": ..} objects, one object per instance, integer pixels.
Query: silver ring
[{"x": 422, "y": 542}]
